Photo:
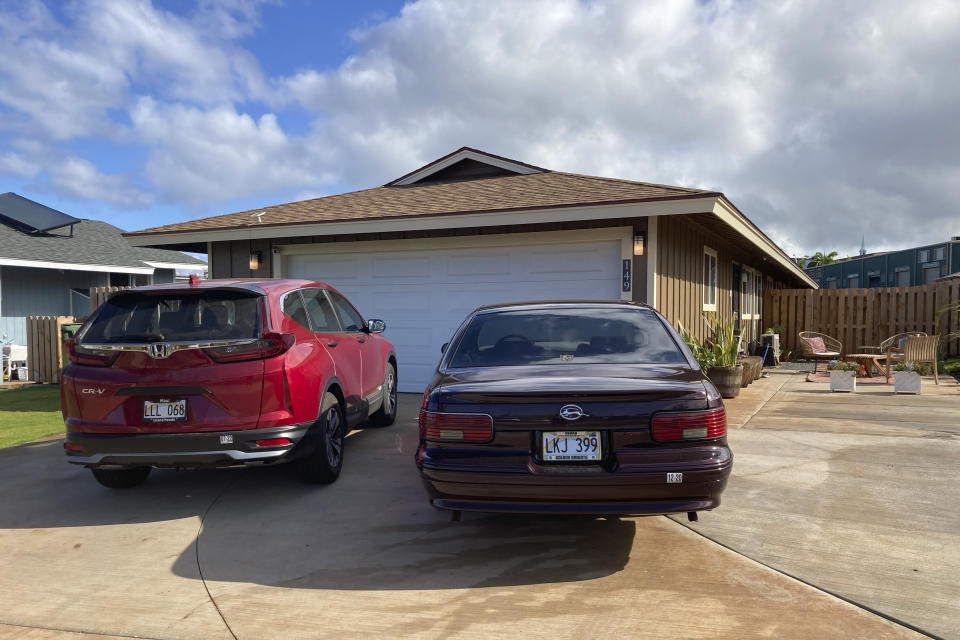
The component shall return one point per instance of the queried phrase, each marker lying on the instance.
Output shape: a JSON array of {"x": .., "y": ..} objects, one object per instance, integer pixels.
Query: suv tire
[
  {"x": 323, "y": 465},
  {"x": 121, "y": 478},
  {"x": 386, "y": 415}
]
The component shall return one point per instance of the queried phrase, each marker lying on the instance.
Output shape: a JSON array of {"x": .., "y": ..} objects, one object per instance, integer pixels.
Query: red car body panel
[{"x": 284, "y": 390}]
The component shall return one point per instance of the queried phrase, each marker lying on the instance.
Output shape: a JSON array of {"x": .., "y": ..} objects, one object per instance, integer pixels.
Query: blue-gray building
[
  {"x": 49, "y": 261},
  {"x": 905, "y": 268}
]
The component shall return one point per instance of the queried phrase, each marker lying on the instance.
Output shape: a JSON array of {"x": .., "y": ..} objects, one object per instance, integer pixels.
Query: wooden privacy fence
[
  {"x": 858, "y": 317},
  {"x": 44, "y": 347},
  {"x": 99, "y": 295}
]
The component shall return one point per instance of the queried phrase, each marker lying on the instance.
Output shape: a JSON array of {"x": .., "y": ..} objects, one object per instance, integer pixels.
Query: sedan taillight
[
  {"x": 690, "y": 425},
  {"x": 80, "y": 354},
  {"x": 270, "y": 345},
  {"x": 455, "y": 427}
]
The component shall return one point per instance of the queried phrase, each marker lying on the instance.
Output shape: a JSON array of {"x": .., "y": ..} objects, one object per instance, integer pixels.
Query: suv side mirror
[
  {"x": 443, "y": 348},
  {"x": 376, "y": 326}
]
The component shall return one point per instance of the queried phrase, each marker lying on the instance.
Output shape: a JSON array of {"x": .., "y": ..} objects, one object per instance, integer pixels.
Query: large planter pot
[
  {"x": 843, "y": 381},
  {"x": 906, "y": 382},
  {"x": 726, "y": 379}
]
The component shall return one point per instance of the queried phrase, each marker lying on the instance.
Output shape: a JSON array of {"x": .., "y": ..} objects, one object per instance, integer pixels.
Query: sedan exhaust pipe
[{"x": 692, "y": 516}]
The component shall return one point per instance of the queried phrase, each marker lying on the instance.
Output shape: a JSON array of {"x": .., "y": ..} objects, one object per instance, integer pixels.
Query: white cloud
[
  {"x": 218, "y": 154},
  {"x": 78, "y": 178},
  {"x": 18, "y": 165},
  {"x": 822, "y": 120}
]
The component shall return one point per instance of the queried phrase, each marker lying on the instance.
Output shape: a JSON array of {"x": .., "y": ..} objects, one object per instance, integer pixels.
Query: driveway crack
[{"x": 196, "y": 548}]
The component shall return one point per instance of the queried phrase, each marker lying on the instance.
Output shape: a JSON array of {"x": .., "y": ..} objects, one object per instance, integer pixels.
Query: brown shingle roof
[{"x": 502, "y": 193}]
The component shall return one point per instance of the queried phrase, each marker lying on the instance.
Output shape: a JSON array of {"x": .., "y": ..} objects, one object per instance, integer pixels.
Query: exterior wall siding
[{"x": 680, "y": 277}]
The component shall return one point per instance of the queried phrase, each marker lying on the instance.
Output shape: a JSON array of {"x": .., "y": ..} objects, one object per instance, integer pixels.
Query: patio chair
[
  {"x": 893, "y": 346},
  {"x": 921, "y": 350},
  {"x": 819, "y": 346}
]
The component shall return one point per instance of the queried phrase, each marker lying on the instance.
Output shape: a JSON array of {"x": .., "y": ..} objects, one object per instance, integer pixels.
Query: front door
[{"x": 735, "y": 296}]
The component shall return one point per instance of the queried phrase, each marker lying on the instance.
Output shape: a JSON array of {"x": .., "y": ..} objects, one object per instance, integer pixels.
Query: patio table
[{"x": 870, "y": 360}]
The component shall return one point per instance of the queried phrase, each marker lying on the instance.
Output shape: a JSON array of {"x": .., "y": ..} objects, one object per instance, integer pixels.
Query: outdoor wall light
[
  {"x": 638, "y": 242},
  {"x": 256, "y": 260}
]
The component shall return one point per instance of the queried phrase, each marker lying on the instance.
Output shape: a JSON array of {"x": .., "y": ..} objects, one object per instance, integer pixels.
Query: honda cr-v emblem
[
  {"x": 571, "y": 412},
  {"x": 159, "y": 349}
]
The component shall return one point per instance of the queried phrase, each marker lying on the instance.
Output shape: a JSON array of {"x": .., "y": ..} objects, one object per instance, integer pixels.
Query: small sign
[
  {"x": 626, "y": 274},
  {"x": 226, "y": 439},
  {"x": 673, "y": 478}
]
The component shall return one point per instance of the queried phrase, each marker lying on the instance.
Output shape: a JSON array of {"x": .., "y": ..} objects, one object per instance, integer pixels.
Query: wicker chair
[
  {"x": 893, "y": 346},
  {"x": 919, "y": 350},
  {"x": 832, "y": 348}
]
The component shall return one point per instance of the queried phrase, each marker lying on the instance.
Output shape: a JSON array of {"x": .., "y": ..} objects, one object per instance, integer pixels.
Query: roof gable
[{"x": 465, "y": 164}]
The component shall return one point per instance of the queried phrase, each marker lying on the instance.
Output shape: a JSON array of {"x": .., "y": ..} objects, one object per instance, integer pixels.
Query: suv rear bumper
[{"x": 187, "y": 450}]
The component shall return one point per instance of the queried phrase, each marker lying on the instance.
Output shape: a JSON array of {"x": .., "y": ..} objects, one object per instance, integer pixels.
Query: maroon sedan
[
  {"x": 572, "y": 407},
  {"x": 222, "y": 373}
]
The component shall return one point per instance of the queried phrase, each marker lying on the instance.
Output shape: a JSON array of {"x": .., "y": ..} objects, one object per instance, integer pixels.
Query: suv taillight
[
  {"x": 80, "y": 354},
  {"x": 456, "y": 427},
  {"x": 690, "y": 425},
  {"x": 270, "y": 345}
]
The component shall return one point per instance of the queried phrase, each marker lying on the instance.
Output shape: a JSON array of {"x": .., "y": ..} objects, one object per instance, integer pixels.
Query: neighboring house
[
  {"x": 473, "y": 228},
  {"x": 49, "y": 261},
  {"x": 904, "y": 268}
]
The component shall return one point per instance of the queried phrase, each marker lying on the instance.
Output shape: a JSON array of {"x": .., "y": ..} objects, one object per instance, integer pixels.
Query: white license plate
[
  {"x": 164, "y": 410},
  {"x": 568, "y": 446}
]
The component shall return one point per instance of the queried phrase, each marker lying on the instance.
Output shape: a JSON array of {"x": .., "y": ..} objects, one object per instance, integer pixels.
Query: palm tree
[{"x": 821, "y": 258}]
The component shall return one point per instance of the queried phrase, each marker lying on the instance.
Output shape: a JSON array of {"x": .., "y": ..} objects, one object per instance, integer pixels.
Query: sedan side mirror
[
  {"x": 376, "y": 326},
  {"x": 443, "y": 349}
]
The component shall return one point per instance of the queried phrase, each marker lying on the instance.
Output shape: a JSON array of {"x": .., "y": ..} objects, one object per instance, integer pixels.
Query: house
[
  {"x": 49, "y": 261},
  {"x": 472, "y": 228},
  {"x": 904, "y": 268}
]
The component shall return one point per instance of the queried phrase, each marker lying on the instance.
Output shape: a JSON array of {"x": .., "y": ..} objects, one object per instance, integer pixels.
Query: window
[
  {"x": 293, "y": 308},
  {"x": 758, "y": 296},
  {"x": 748, "y": 293},
  {"x": 321, "y": 313},
  {"x": 709, "y": 279},
  {"x": 923, "y": 255},
  {"x": 565, "y": 336},
  {"x": 210, "y": 315},
  {"x": 940, "y": 253},
  {"x": 349, "y": 318}
]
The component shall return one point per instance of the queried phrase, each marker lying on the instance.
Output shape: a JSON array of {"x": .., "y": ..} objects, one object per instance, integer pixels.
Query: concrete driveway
[{"x": 254, "y": 554}]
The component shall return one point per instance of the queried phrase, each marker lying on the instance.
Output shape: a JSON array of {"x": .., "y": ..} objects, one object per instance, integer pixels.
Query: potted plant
[
  {"x": 843, "y": 375},
  {"x": 717, "y": 355},
  {"x": 907, "y": 377}
]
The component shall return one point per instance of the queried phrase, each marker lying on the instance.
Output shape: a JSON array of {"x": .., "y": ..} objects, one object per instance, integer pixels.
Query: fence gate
[{"x": 44, "y": 349}]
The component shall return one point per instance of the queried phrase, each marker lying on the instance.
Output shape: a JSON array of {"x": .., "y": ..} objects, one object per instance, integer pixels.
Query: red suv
[{"x": 223, "y": 373}]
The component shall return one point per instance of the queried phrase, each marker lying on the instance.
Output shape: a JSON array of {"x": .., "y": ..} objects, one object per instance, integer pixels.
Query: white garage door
[{"x": 425, "y": 289}]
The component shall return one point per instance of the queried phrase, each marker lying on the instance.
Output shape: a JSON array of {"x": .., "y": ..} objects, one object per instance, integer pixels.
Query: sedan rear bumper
[
  {"x": 577, "y": 490},
  {"x": 186, "y": 450}
]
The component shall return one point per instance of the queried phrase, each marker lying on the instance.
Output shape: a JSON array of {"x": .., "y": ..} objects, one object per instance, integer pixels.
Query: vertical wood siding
[{"x": 680, "y": 276}]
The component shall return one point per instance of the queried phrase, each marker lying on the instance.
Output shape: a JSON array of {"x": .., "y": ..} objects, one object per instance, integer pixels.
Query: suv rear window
[
  {"x": 565, "y": 336},
  {"x": 171, "y": 316}
]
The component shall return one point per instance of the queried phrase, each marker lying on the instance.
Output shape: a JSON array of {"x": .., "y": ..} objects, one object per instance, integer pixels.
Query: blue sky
[{"x": 823, "y": 121}]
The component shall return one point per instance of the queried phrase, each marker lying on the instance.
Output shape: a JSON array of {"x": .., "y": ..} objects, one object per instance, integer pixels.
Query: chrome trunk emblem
[
  {"x": 571, "y": 412},
  {"x": 159, "y": 350}
]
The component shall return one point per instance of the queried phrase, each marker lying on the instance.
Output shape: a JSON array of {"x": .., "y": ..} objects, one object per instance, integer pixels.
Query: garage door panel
[{"x": 424, "y": 295}]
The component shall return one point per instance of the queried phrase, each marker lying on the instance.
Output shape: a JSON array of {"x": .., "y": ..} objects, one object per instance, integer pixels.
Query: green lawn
[{"x": 29, "y": 413}]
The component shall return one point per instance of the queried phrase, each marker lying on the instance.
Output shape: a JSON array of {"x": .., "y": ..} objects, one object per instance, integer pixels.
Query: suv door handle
[{"x": 332, "y": 343}]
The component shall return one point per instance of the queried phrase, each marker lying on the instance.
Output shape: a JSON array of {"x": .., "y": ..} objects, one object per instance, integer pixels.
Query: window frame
[{"x": 710, "y": 289}]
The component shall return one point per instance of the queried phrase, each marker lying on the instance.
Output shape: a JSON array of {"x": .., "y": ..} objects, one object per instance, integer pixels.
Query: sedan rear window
[
  {"x": 172, "y": 316},
  {"x": 575, "y": 336}
]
